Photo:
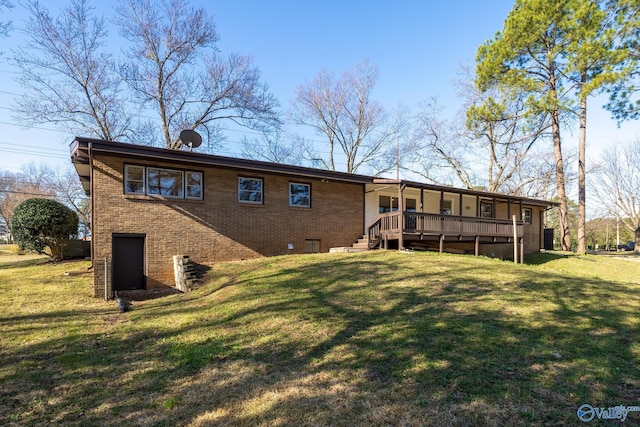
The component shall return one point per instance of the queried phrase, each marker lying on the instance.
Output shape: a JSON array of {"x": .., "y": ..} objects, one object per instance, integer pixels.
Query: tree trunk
[
  {"x": 582, "y": 140},
  {"x": 565, "y": 238}
]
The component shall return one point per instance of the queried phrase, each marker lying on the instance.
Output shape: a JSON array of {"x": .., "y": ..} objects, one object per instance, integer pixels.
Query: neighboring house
[
  {"x": 5, "y": 235},
  {"x": 149, "y": 204}
]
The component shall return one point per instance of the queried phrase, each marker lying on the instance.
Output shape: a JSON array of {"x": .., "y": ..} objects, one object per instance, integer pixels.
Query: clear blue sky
[{"x": 418, "y": 46}]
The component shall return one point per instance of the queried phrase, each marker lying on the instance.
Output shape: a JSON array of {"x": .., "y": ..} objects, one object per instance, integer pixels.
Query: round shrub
[{"x": 40, "y": 223}]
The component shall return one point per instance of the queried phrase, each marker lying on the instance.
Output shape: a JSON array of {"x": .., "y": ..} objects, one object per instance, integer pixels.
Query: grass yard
[
  {"x": 376, "y": 338},
  {"x": 10, "y": 257}
]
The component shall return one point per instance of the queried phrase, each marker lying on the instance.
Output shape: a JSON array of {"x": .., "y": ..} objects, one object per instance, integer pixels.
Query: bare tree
[
  {"x": 5, "y": 26},
  {"x": 68, "y": 74},
  {"x": 64, "y": 183},
  {"x": 173, "y": 68},
  {"x": 41, "y": 180},
  {"x": 272, "y": 147},
  {"x": 617, "y": 185},
  {"x": 15, "y": 188},
  {"x": 358, "y": 130},
  {"x": 439, "y": 149},
  {"x": 72, "y": 80},
  {"x": 492, "y": 150},
  {"x": 498, "y": 122}
]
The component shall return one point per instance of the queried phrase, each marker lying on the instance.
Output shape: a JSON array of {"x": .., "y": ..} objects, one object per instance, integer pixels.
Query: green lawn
[{"x": 376, "y": 338}]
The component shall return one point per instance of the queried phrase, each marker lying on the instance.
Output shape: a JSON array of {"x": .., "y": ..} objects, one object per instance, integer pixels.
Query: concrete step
[{"x": 346, "y": 249}]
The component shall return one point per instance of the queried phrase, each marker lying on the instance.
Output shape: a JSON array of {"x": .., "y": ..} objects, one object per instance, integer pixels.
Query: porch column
[
  {"x": 520, "y": 205},
  {"x": 401, "y": 212},
  {"x": 441, "y": 243},
  {"x": 477, "y": 245}
]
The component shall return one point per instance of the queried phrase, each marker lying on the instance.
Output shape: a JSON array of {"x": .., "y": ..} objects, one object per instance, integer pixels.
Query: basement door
[{"x": 128, "y": 262}]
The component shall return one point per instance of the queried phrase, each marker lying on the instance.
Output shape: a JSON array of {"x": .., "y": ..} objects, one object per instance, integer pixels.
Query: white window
[
  {"x": 194, "y": 185},
  {"x": 250, "y": 190},
  {"x": 133, "y": 179},
  {"x": 165, "y": 182},
  {"x": 447, "y": 207},
  {"x": 299, "y": 195},
  {"x": 526, "y": 215},
  {"x": 155, "y": 181},
  {"x": 486, "y": 210},
  {"x": 387, "y": 204}
]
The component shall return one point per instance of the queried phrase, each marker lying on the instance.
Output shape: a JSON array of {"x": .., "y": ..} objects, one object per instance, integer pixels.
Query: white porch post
[{"x": 401, "y": 212}]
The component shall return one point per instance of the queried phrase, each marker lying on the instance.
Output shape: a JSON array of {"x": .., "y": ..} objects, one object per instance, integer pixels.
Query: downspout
[
  {"x": 93, "y": 213},
  {"x": 106, "y": 279}
]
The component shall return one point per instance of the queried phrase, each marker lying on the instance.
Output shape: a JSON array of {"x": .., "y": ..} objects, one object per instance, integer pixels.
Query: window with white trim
[
  {"x": 170, "y": 183},
  {"x": 134, "y": 179},
  {"x": 250, "y": 190},
  {"x": 486, "y": 210},
  {"x": 527, "y": 215},
  {"x": 194, "y": 185},
  {"x": 446, "y": 207},
  {"x": 387, "y": 204},
  {"x": 165, "y": 182},
  {"x": 299, "y": 195}
]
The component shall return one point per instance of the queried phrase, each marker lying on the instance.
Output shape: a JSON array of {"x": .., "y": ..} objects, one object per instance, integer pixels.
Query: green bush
[{"x": 38, "y": 223}]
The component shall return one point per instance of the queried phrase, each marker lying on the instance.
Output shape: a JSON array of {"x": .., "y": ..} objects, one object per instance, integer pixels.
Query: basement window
[{"x": 312, "y": 246}]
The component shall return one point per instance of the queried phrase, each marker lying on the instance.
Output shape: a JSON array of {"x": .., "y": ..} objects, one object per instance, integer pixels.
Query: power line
[
  {"x": 13, "y": 145},
  {"x": 33, "y": 127},
  {"x": 34, "y": 153}
]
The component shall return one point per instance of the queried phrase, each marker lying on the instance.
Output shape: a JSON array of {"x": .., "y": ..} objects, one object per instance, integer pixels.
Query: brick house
[{"x": 149, "y": 204}]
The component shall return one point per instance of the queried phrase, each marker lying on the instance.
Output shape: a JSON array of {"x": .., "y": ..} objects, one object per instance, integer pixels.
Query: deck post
[
  {"x": 477, "y": 245},
  {"x": 515, "y": 240},
  {"x": 401, "y": 217},
  {"x": 441, "y": 243},
  {"x": 522, "y": 250}
]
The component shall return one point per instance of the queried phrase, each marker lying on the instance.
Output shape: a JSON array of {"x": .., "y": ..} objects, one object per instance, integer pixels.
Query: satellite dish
[{"x": 191, "y": 138}]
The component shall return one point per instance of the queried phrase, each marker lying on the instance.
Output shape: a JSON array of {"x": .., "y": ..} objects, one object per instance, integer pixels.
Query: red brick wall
[{"x": 218, "y": 228}]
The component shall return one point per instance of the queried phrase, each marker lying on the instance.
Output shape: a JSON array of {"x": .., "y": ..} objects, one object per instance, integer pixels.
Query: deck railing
[{"x": 423, "y": 223}]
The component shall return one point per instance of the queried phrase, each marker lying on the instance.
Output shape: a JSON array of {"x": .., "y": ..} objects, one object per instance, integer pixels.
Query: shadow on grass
[
  {"x": 544, "y": 257},
  {"x": 24, "y": 263},
  {"x": 340, "y": 341}
]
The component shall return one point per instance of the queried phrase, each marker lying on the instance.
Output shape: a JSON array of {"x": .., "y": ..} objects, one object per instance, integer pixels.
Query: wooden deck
[{"x": 396, "y": 225}]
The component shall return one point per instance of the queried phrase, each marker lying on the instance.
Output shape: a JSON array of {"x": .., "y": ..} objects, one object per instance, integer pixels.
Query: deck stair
[{"x": 360, "y": 246}]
